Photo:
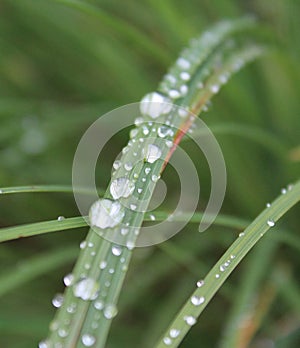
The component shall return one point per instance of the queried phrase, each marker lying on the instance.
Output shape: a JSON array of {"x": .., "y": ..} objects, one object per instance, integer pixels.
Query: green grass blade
[{"x": 226, "y": 264}]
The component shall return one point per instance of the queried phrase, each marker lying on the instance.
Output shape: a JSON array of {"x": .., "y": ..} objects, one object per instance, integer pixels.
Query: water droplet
[
  {"x": 268, "y": 205},
  {"x": 290, "y": 187},
  {"x": 86, "y": 289},
  {"x": 271, "y": 223},
  {"x": 1, "y": 191},
  {"x": 167, "y": 341},
  {"x": 138, "y": 121},
  {"x": 174, "y": 333},
  {"x": 116, "y": 250},
  {"x": 128, "y": 166},
  {"x": 88, "y": 340},
  {"x": 200, "y": 85},
  {"x": 130, "y": 245},
  {"x": 183, "y": 89},
  {"x": 147, "y": 170},
  {"x": 72, "y": 308},
  {"x": 190, "y": 320},
  {"x": 217, "y": 275},
  {"x": 173, "y": 93},
  {"x": 215, "y": 88},
  {"x": 155, "y": 105},
  {"x": 283, "y": 191},
  {"x": 106, "y": 213},
  {"x": 183, "y": 63},
  {"x": 182, "y": 112},
  {"x": 83, "y": 244},
  {"x": 44, "y": 344},
  {"x": 62, "y": 333},
  {"x": 90, "y": 244},
  {"x": 124, "y": 231},
  {"x": 117, "y": 164},
  {"x": 169, "y": 143},
  {"x": 103, "y": 264},
  {"x": 139, "y": 190},
  {"x": 68, "y": 279},
  {"x": 133, "y": 206},
  {"x": 145, "y": 130},
  {"x": 152, "y": 153},
  {"x": 133, "y": 133},
  {"x": 241, "y": 234},
  {"x": 121, "y": 187},
  {"x": 232, "y": 257},
  {"x": 60, "y": 218},
  {"x": 197, "y": 300},
  {"x": 99, "y": 305},
  {"x": 58, "y": 300},
  {"x": 125, "y": 150},
  {"x": 185, "y": 76},
  {"x": 152, "y": 217},
  {"x": 164, "y": 131},
  {"x": 200, "y": 283},
  {"x": 110, "y": 311},
  {"x": 155, "y": 178}
]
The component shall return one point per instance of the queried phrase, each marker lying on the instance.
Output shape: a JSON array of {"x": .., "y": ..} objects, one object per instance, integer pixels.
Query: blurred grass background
[{"x": 60, "y": 69}]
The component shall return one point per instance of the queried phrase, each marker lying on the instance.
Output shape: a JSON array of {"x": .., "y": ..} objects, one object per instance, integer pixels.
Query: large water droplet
[
  {"x": 152, "y": 153},
  {"x": 106, "y": 213},
  {"x": 154, "y": 105},
  {"x": 121, "y": 187},
  {"x": 86, "y": 289},
  {"x": 58, "y": 300},
  {"x": 110, "y": 311},
  {"x": 88, "y": 340}
]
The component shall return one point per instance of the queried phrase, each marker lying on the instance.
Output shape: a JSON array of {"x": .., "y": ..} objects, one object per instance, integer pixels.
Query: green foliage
[{"x": 63, "y": 63}]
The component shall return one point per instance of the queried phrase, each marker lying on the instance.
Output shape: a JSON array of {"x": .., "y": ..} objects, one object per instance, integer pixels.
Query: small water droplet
[
  {"x": 183, "y": 89},
  {"x": 155, "y": 178},
  {"x": 138, "y": 121},
  {"x": 147, "y": 170},
  {"x": 164, "y": 131},
  {"x": 183, "y": 63},
  {"x": 102, "y": 264},
  {"x": 83, "y": 244},
  {"x": 99, "y": 305},
  {"x": 133, "y": 206},
  {"x": 117, "y": 164},
  {"x": 58, "y": 300},
  {"x": 124, "y": 231},
  {"x": 173, "y": 93},
  {"x": 152, "y": 153},
  {"x": 268, "y": 205},
  {"x": 110, "y": 311},
  {"x": 283, "y": 191},
  {"x": 61, "y": 218},
  {"x": 88, "y": 340},
  {"x": 128, "y": 166},
  {"x": 72, "y": 308},
  {"x": 215, "y": 88},
  {"x": 152, "y": 217},
  {"x": 139, "y": 190},
  {"x": 169, "y": 143},
  {"x": 174, "y": 333},
  {"x": 185, "y": 76},
  {"x": 44, "y": 344},
  {"x": 121, "y": 187},
  {"x": 133, "y": 133},
  {"x": 130, "y": 245},
  {"x": 86, "y": 289},
  {"x": 217, "y": 275},
  {"x": 200, "y": 283},
  {"x": 197, "y": 300},
  {"x": 105, "y": 213},
  {"x": 232, "y": 257},
  {"x": 68, "y": 279},
  {"x": 271, "y": 223},
  {"x": 241, "y": 234},
  {"x": 1, "y": 191},
  {"x": 116, "y": 250},
  {"x": 167, "y": 341},
  {"x": 62, "y": 333},
  {"x": 145, "y": 130},
  {"x": 190, "y": 320}
]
